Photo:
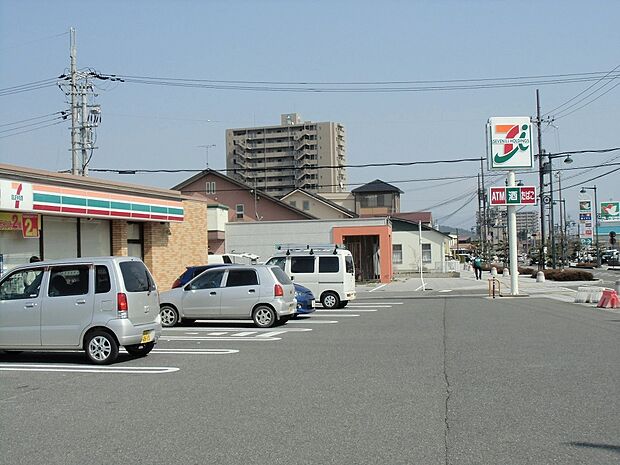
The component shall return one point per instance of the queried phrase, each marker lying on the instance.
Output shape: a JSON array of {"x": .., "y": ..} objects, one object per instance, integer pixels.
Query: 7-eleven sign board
[
  {"x": 510, "y": 143},
  {"x": 518, "y": 195}
]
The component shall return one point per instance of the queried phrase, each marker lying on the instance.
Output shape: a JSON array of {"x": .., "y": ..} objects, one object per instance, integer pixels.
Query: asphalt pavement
[{"x": 398, "y": 377}]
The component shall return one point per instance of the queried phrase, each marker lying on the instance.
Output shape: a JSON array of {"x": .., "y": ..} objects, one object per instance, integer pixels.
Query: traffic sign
[{"x": 518, "y": 195}]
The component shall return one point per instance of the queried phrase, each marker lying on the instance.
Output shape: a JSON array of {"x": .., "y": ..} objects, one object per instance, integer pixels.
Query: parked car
[
  {"x": 328, "y": 272},
  {"x": 258, "y": 292},
  {"x": 94, "y": 304},
  {"x": 305, "y": 299},
  {"x": 191, "y": 272}
]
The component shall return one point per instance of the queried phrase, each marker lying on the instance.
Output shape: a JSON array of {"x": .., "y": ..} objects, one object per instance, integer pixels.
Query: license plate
[{"x": 147, "y": 336}]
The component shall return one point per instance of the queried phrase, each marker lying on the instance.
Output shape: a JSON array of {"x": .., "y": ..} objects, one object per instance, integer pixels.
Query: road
[{"x": 441, "y": 380}]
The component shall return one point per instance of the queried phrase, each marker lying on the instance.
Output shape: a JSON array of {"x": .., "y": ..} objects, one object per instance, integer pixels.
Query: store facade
[{"x": 51, "y": 215}]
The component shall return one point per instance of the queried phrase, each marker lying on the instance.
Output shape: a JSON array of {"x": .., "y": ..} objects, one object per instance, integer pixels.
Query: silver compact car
[
  {"x": 262, "y": 293},
  {"x": 95, "y": 304}
]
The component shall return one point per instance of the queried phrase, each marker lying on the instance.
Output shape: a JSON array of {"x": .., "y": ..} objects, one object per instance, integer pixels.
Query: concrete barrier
[
  {"x": 506, "y": 272},
  {"x": 493, "y": 271},
  {"x": 540, "y": 277},
  {"x": 589, "y": 294}
]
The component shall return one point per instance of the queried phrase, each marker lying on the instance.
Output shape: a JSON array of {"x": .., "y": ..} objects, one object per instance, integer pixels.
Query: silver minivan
[
  {"x": 258, "y": 292},
  {"x": 95, "y": 304}
]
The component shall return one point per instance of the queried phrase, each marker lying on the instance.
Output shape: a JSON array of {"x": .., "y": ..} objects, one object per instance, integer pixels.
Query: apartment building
[{"x": 279, "y": 159}]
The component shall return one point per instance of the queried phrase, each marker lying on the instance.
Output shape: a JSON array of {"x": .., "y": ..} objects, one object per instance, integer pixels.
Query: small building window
[
  {"x": 293, "y": 203},
  {"x": 397, "y": 254},
  {"x": 240, "y": 210},
  {"x": 306, "y": 205},
  {"x": 426, "y": 253},
  {"x": 210, "y": 187}
]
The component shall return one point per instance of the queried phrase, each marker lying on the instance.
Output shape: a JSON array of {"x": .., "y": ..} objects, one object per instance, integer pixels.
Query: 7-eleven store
[{"x": 52, "y": 215}]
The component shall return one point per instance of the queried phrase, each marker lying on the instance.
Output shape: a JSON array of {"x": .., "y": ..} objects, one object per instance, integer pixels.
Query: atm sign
[{"x": 519, "y": 195}]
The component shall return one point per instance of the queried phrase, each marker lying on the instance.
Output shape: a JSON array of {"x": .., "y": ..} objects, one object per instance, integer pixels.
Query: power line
[
  {"x": 371, "y": 87},
  {"x": 582, "y": 92},
  {"x": 31, "y": 130},
  {"x": 33, "y": 118},
  {"x": 28, "y": 87},
  {"x": 588, "y": 103}
]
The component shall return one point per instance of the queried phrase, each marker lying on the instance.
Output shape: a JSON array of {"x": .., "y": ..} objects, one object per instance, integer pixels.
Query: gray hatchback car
[
  {"x": 262, "y": 293},
  {"x": 95, "y": 304}
]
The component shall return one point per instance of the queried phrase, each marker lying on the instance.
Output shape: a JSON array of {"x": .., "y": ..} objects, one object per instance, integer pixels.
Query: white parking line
[
  {"x": 197, "y": 351},
  {"x": 382, "y": 305},
  {"x": 221, "y": 333},
  {"x": 223, "y": 330},
  {"x": 85, "y": 369},
  {"x": 221, "y": 338},
  {"x": 359, "y": 310},
  {"x": 244, "y": 333},
  {"x": 334, "y": 315},
  {"x": 271, "y": 334},
  {"x": 309, "y": 321},
  {"x": 378, "y": 287}
]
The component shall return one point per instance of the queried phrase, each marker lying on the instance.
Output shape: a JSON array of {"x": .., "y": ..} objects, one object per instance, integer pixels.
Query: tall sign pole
[{"x": 510, "y": 144}]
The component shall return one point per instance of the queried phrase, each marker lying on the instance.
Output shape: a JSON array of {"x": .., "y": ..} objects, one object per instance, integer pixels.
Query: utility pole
[
  {"x": 541, "y": 175},
  {"x": 84, "y": 133},
  {"x": 484, "y": 205},
  {"x": 74, "y": 105},
  {"x": 552, "y": 215}
]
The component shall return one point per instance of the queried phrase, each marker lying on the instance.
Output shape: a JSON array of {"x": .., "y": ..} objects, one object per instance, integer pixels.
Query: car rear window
[
  {"x": 280, "y": 275},
  {"x": 136, "y": 277}
]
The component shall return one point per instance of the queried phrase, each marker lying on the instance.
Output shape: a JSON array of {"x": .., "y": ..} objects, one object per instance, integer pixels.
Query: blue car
[
  {"x": 191, "y": 272},
  {"x": 305, "y": 300}
]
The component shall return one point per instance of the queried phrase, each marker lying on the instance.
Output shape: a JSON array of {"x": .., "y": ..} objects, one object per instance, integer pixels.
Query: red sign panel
[
  {"x": 498, "y": 196},
  {"x": 528, "y": 195}
]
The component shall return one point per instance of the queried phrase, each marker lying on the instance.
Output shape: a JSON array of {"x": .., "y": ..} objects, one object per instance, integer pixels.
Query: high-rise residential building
[{"x": 278, "y": 159}]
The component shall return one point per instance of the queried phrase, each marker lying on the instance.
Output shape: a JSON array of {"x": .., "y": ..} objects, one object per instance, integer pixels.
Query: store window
[
  {"x": 135, "y": 240},
  {"x": 16, "y": 250},
  {"x": 95, "y": 238},
  {"x": 60, "y": 238}
]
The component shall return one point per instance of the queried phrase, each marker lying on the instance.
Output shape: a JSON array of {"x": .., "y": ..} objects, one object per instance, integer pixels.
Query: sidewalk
[{"x": 467, "y": 285}]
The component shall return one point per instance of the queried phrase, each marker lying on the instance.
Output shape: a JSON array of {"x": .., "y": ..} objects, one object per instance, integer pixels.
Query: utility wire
[
  {"x": 377, "y": 87},
  {"x": 30, "y": 130},
  {"x": 33, "y": 118},
  {"x": 31, "y": 124},
  {"x": 581, "y": 93},
  {"x": 588, "y": 103}
]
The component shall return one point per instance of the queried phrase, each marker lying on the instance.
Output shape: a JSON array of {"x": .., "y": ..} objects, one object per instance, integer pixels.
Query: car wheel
[
  {"x": 101, "y": 348},
  {"x": 169, "y": 316},
  {"x": 343, "y": 303},
  {"x": 140, "y": 350},
  {"x": 330, "y": 300},
  {"x": 264, "y": 317}
]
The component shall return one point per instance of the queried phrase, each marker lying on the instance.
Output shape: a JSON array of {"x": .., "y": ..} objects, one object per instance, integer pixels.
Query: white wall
[
  {"x": 260, "y": 237},
  {"x": 410, "y": 241}
]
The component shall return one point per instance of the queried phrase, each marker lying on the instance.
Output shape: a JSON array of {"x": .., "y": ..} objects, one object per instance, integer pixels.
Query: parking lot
[{"x": 443, "y": 380}]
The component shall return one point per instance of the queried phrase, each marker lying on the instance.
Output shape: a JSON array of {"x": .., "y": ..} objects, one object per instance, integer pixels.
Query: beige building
[{"x": 279, "y": 159}]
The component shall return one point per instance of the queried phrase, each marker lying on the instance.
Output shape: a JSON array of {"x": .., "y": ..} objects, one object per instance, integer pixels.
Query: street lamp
[{"x": 583, "y": 191}]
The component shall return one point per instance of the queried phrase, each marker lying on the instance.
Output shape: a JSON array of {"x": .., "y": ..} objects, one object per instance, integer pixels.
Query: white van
[{"x": 327, "y": 270}]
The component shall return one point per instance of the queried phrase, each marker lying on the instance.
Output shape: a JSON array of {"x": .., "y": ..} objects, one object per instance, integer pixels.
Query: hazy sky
[{"x": 146, "y": 126}]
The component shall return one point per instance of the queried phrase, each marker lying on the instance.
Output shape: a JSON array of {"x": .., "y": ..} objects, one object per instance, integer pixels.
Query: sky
[{"x": 162, "y": 127}]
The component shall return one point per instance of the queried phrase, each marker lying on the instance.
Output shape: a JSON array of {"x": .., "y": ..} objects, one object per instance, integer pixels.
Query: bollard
[
  {"x": 618, "y": 286},
  {"x": 506, "y": 272},
  {"x": 493, "y": 271},
  {"x": 540, "y": 277},
  {"x": 493, "y": 285}
]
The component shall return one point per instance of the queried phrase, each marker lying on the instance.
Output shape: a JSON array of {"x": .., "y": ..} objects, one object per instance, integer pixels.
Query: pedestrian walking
[{"x": 478, "y": 267}]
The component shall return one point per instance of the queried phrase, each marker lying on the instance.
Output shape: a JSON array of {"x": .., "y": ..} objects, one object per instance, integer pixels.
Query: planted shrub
[{"x": 567, "y": 275}]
